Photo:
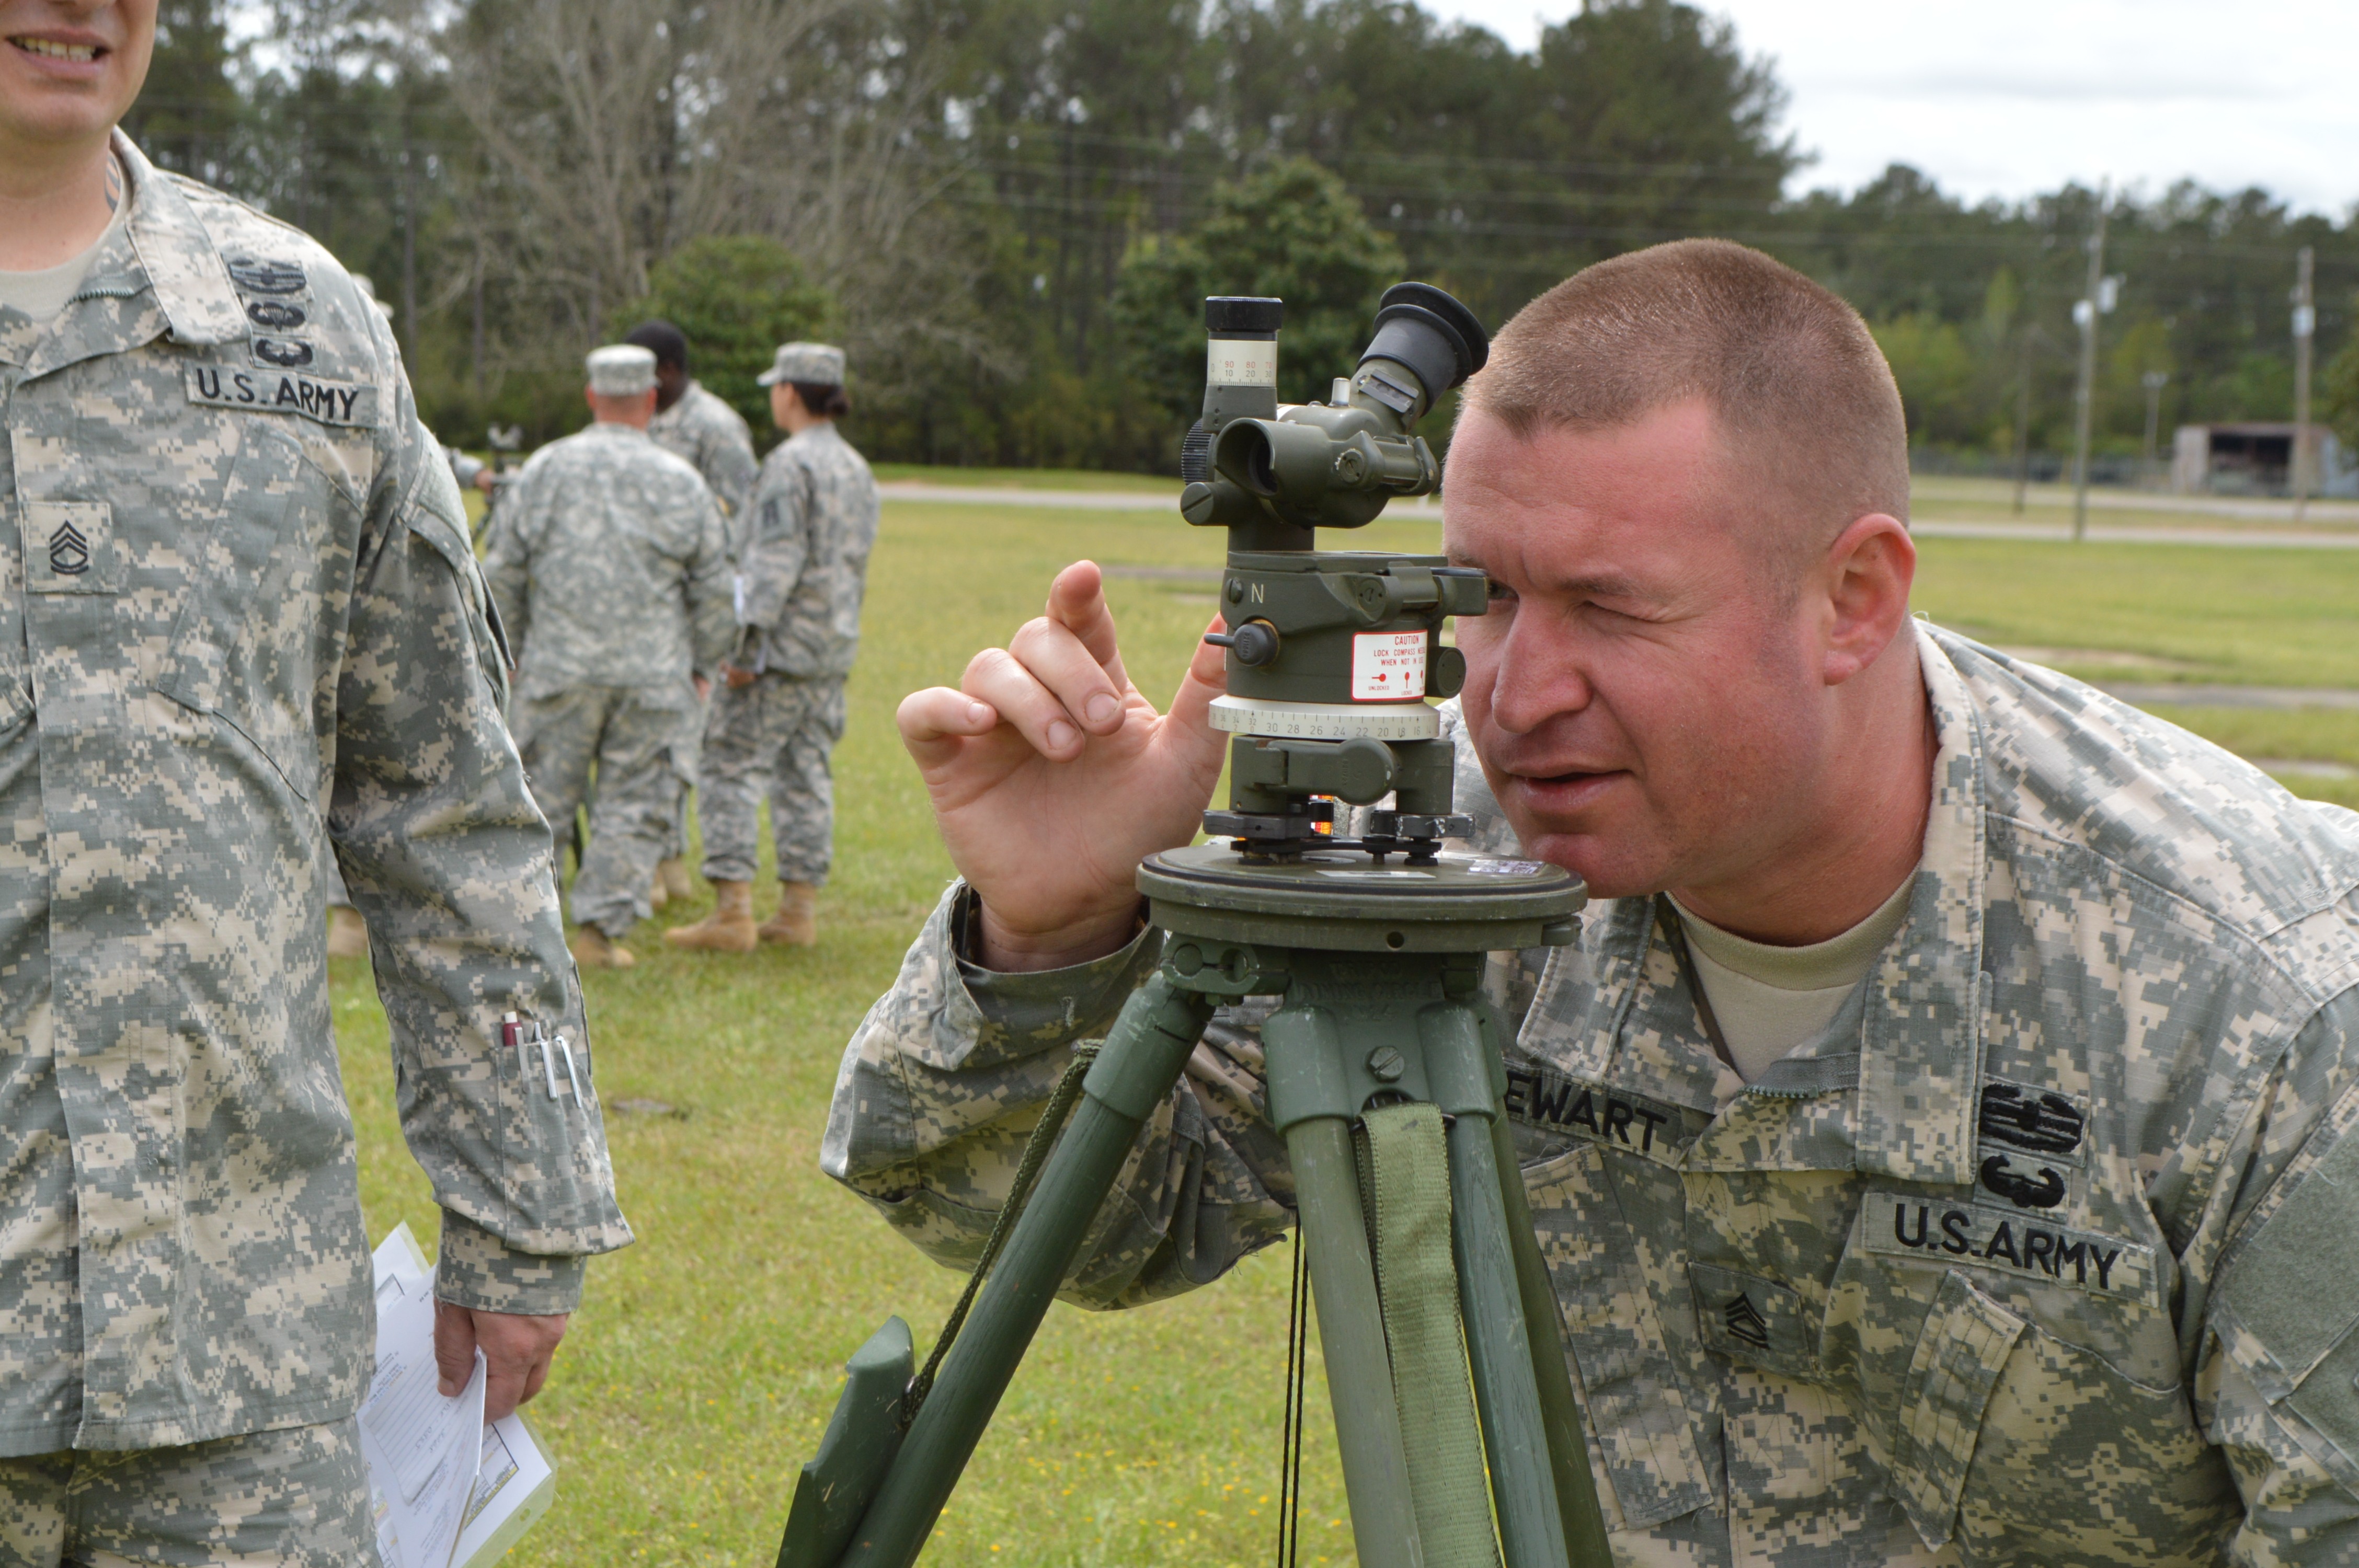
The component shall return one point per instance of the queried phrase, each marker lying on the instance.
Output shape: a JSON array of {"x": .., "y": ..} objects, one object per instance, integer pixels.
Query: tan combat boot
[
  {"x": 347, "y": 933},
  {"x": 728, "y": 929},
  {"x": 593, "y": 950},
  {"x": 658, "y": 894},
  {"x": 672, "y": 880},
  {"x": 797, "y": 923}
]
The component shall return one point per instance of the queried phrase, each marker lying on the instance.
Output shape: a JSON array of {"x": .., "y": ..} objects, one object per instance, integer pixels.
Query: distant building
[{"x": 2255, "y": 459}]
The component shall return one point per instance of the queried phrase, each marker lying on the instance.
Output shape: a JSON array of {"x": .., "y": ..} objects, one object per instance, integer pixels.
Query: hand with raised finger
[{"x": 1051, "y": 777}]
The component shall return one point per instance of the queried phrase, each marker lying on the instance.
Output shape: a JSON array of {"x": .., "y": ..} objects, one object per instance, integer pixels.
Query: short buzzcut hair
[
  {"x": 661, "y": 338},
  {"x": 1796, "y": 382}
]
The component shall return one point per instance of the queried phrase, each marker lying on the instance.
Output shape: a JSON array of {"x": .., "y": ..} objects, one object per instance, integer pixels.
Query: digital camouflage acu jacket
[
  {"x": 711, "y": 437},
  {"x": 2047, "y": 1253},
  {"x": 241, "y": 617},
  {"x": 805, "y": 562},
  {"x": 610, "y": 567}
]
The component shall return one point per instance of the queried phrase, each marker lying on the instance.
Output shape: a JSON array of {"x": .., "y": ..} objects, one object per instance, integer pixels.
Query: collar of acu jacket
[
  {"x": 1921, "y": 1043},
  {"x": 159, "y": 273},
  {"x": 1920, "y": 1031}
]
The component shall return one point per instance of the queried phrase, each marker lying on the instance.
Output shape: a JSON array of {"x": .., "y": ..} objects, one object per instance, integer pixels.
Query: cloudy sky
[{"x": 2007, "y": 97}]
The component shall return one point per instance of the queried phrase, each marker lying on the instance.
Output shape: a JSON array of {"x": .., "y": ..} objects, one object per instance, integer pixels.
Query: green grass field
[
  {"x": 1022, "y": 478},
  {"x": 706, "y": 1359}
]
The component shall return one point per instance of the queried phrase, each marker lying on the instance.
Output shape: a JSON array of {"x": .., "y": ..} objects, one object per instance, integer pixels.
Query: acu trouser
[
  {"x": 629, "y": 736},
  {"x": 772, "y": 737}
]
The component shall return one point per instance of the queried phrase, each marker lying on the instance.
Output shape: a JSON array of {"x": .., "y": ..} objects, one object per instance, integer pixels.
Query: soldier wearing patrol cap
[
  {"x": 244, "y": 627},
  {"x": 1944, "y": 1136},
  {"x": 611, "y": 567},
  {"x": 779, "y": 710}
]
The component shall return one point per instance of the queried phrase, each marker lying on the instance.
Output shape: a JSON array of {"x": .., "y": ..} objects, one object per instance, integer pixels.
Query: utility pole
[
  {"x": 2023, "y": 413},
  {"x": 2085, "y": 311},
  {"x": 2154, "y": 381},
  {"x": 409, "y": 230},
  {"x": 2305, "y": 327}
]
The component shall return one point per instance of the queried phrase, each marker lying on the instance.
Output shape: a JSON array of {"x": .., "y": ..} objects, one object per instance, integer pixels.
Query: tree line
[{"x": 1006, "y": 208}]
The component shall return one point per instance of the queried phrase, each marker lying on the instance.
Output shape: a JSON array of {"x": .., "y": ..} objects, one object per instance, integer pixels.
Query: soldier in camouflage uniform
[
  {"x": 611, "y": 569},
  {"x": 246, "y": 624},
  {"x": 2039, "y": 1250},
  {"x": 693, "y": 424},
  {"x": 779, "y": 710}
]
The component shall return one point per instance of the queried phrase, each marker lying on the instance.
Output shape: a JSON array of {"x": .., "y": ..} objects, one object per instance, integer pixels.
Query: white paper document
[{"x": 448, "y": 1490}]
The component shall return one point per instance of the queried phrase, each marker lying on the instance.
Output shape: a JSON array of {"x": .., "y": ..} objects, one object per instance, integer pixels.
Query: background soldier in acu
[
  {"x": 243, "y": 628},
  {"x": 1943, "y": 1138},
  {"x": 779, "y": 710},
  {"x": 612, "y": 572},
  {"x": 692, "y": 424}
]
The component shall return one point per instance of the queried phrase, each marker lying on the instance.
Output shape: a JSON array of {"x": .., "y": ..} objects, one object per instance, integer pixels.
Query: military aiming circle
[{"x": 1454, "y": 1415}]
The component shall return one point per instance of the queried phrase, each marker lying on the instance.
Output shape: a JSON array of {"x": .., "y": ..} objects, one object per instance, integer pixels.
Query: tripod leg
[
  {"x": 1499, "y": 1351},
  {"x": 1351, "y": 1342},
  {"x": 1576, "y": 1485},
  {"x": 1141, "y": 1060},
  {"x": 1498, "y": 1340}
]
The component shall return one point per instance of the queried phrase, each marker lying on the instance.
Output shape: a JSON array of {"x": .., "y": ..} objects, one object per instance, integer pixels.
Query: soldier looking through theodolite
[{"x": 1940, "y": 1135}]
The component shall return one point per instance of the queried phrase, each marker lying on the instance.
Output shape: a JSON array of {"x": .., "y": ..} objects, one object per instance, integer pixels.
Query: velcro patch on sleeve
[
  {"x": 282, "y": 392},
  {"x": 2022, "y": 1247},
  {"x": 2285, "y": 1309}
]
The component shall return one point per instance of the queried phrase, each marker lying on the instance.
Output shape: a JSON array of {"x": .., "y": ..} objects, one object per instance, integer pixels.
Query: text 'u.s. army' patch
[
  {"x": 283, "y": 392},
  {"x": 1543, "y": 1097},
  {"x": 2023, "y": 1246}
]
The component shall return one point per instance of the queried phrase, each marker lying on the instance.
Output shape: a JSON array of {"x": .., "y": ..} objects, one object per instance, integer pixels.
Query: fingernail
[
  {"x": 976, "y": 713},
  {"x": 1060, "y": 735},
  {"x": 1103, "y": 708}
]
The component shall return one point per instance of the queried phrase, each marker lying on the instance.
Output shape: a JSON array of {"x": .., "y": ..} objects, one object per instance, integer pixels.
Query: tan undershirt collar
[
  {"x": 1771, "y": 1001},
  {"x": 42, "y": 295}
]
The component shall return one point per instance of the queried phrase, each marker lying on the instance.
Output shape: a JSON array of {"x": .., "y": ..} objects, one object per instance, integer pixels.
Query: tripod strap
[{"x": 1405, "y": 1166}]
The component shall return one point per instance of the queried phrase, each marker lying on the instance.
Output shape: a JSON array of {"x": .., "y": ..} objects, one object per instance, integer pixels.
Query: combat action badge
[{"x": 2025, "y": 1134}]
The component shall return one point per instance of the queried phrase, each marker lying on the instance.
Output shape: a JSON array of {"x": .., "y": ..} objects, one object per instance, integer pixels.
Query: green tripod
[{"x": 1454, "y": 1411}]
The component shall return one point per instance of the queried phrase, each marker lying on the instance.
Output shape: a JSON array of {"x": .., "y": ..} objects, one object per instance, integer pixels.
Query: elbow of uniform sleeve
[
  {"x": 764, "y": 601},
  {"x": 479, "y": 1270},
  {"x": 951, "y": 1048}
]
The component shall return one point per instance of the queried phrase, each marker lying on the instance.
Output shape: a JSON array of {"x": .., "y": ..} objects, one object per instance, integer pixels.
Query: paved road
[
  {"x": 2252, "y": 508},
  {"x": 2140, "y": 695},
  {"x": 2270, "y": 538},
  {"x": 1427, "y": 511}
]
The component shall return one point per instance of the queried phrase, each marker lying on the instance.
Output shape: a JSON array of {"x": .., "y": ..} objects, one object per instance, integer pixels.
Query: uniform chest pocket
[
  {"x": 1630, "y": 1385},
  {"x": 1963, "y": 1346},
  {"x": 259, "y": 632},
  {"x": 2017, "y": 1444}
]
